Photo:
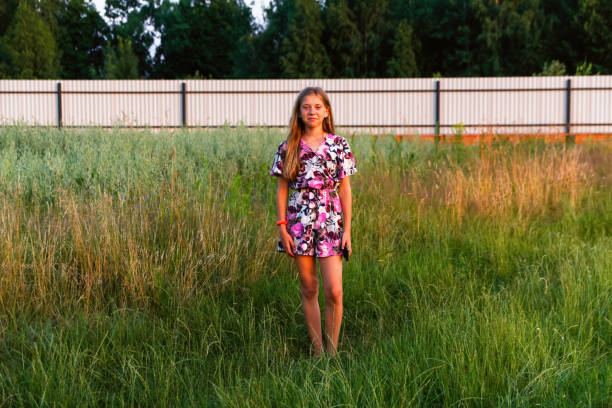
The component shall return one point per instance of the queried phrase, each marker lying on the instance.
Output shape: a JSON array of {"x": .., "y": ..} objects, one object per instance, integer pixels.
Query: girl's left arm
[{"x": 344, "y": 193}]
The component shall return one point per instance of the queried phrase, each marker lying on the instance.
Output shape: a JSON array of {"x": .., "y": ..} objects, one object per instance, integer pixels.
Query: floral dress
[{"x": 314, "y": 212}]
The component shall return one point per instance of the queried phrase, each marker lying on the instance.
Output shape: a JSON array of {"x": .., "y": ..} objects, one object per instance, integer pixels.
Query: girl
[{"x": 316, "y": 164}]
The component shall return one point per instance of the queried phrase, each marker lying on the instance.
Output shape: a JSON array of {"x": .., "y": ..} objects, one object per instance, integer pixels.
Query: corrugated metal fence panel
[
  {"x": 30, "y": 107},
  {"x": 219, "y": 102},
  {"x": 591, "y": 106},
  {"x": 121, "y": 103},
  {"x": 406, "y": 105},
  {"x": 472, "y": 101},
  {"x": 383, "y": 105}
]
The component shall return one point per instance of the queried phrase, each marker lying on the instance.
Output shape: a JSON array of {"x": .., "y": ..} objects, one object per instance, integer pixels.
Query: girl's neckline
[{"x": 325, "y": 135}]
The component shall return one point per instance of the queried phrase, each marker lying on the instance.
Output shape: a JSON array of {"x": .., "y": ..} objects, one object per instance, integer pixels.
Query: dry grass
[
  {"x": 109, "y": 251},
  {"x": 503, "y": 183},
  {"x": 90, "y": 253}
]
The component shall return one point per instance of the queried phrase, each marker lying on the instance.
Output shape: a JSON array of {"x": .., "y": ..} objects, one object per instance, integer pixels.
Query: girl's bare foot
[{"x": 331, "y": 351}]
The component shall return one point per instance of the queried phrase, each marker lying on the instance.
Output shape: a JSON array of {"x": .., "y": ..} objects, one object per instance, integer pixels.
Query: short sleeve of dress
[
  {"x": 279, "y": 160},
  {"x": 346, "y": 160}
]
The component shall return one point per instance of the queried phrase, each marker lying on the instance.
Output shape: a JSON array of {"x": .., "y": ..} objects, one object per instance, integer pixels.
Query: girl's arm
[
  {"x": 282, "y": 193},
  {"x": 344, "y": 193}
]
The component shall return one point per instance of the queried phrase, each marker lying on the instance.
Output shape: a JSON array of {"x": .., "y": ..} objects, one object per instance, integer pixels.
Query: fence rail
[{"x": 425, "y": 106}]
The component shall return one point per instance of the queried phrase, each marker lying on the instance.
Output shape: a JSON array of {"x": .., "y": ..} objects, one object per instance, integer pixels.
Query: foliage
[
  {"x": 596, "y": 16},
  {"x": 586, "y": 68},
  {"x": 553, "y": 68},
  {"x": 311, "y": 38},
  {"x": 403, "y": 63},
  {"x": 7, "y": 12},
  {"x": 140, "y": 36},
  {"x": 341, "y": 38},
  {"x": 31, "y": 45},
  {"x": 139, "y": 269},
  {"x": 505, "y": 24},
  {"x": 199, "y": 36},
  {"x": 121, "y": 62},
  {"x": 258, "y": 54},
  {"x": 81, "y": 38},
  {"x": 303, "y": 54}
]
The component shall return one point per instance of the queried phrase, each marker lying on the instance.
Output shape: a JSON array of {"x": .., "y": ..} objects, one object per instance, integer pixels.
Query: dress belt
[{"x": 317, "y": 191}]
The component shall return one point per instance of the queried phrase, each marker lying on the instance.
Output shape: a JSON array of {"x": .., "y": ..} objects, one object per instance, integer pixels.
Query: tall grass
[{"x": 140, "y": 268}]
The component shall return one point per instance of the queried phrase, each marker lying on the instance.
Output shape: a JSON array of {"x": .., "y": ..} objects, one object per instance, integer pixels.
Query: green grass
[{"x": 139, "y": 268}]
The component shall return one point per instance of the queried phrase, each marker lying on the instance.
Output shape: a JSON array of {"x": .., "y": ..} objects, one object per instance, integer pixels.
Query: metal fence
[{"x": 403, "y": 106}]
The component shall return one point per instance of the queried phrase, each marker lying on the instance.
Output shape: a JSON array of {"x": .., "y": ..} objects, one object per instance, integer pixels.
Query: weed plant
[{"x": 139, "y": 268}]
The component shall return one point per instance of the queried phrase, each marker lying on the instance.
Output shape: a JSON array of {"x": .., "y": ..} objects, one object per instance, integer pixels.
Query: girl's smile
[{"x": 313, "y": 111}]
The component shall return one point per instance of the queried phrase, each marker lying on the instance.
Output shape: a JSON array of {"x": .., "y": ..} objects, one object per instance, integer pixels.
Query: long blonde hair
[{"x": 297, "y": 128}]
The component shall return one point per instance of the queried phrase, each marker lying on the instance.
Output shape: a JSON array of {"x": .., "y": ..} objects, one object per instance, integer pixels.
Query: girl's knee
[
  {"x": 310, "y": 291},
  {"x": 334, "y": 295}
]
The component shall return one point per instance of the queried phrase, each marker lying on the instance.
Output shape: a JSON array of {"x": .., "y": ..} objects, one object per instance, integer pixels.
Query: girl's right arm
[{"x": 282, "y": 193}]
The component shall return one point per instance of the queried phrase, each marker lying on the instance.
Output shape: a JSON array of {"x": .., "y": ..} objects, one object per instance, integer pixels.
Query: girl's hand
[
  {"x": 287, "y": 242},
  {"x": 346, "y": 241}
]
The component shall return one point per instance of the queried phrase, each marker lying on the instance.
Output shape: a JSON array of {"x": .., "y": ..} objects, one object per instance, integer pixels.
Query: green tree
[
  {"x": 511, "y": 37},
  {"x": 6, "y": 63},
  {"x": 31, "y": 45},
  {"x": 7, "y": 11},
  {"x": 375, "y": 30},
  {"x": 304, "y": 55},
  {"x": 121, "y": 62},
  {"x": 343, "y": 39},
  {"x": 585, "y": 69},
  {"x": 200, "y": 36},
  {"x": 403, "y": 63},
  {"x": 563, "y": 37},
  {"x": 596, "y": 17},
  {"x": 447, "y": 32},
  {"x": 258, "y": 54},
  {"x": 82, "y": 35},
  {"x": 553, "y": 68},
  {"x": 118, "y": 11},
  {"x": 128, "y": 19}
]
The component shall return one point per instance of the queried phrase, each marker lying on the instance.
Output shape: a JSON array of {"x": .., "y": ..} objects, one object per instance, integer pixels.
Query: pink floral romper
[{"x": 314, "y": 212}]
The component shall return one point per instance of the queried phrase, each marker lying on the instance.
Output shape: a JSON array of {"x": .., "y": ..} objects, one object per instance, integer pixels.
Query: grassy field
[{"x": 139, "y": 269}]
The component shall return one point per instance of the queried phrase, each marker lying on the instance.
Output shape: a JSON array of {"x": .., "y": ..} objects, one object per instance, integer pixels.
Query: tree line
[{"x": 304, "y": 38}]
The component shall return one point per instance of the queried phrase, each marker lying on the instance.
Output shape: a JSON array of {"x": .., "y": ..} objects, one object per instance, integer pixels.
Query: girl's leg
[
  {"x": 309, "y": 286},
  {"x": 331, "y": 269}
]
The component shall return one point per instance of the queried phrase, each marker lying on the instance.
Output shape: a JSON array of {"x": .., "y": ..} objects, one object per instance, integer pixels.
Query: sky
[{"x": 256, "y": 5}]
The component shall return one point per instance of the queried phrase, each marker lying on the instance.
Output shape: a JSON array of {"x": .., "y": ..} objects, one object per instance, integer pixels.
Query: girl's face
[{"x": 313, "y": 111}]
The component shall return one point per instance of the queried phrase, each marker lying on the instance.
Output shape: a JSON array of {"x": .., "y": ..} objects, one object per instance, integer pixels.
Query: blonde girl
[{"x": 315, "y": 221}]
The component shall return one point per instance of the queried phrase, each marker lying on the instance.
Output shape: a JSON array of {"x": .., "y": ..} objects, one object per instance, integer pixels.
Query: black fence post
[
  {"x": 183, "y": 104},
  {"x": 437, "y": 111},
  {"x": 59, "y": 104},
  {"x": 568, "y": 111}
]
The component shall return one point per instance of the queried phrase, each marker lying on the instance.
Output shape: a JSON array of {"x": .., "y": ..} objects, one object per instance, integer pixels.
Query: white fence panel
[
  {"x": 591, "y": 105},
  {"x": 523, "y": 104},
  {"x": 139, "y": 103},
  {"x": 403, "y": 106},
  {"x": 35, "y": 103}
]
